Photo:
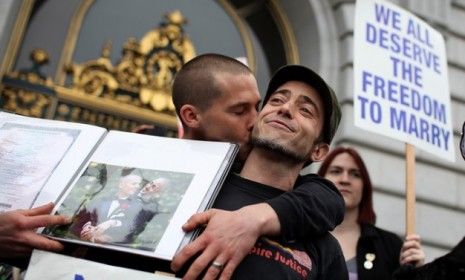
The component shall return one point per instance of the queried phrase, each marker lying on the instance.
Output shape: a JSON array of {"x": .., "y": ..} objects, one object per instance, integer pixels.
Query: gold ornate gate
[{"x": 137, "y": 90}]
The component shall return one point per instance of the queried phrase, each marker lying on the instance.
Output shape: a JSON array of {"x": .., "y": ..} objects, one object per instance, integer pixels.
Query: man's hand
[
  {"x": 87, "y": 231},
  {"x": 102, "y": 227},
  {"x": 411, "y": 251},
  {"x": 17, "y": 231},
  {"x": 97, "y": 234},
  {"x": 227, "y": 239}
]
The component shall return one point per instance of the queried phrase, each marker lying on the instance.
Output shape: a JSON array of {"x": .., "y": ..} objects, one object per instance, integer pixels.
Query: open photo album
[{"x": 124, "y": 191}]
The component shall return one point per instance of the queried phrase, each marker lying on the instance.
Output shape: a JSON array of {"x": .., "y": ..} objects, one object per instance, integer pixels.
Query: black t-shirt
[
  {"x": 315, "y": 205},
  {"x": 306, "y": 258}
]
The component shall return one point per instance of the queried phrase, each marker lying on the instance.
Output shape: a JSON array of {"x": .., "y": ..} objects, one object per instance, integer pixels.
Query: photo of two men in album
[{"x": 123, "y": 206}]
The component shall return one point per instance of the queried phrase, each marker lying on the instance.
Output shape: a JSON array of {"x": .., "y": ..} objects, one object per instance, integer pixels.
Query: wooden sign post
[{"x": 410, "y": 189}]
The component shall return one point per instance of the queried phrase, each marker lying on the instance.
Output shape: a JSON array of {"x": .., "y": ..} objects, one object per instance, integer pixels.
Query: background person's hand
[
  {"x": 18, "y": 231},
  {"x": 227, "y": 239},
  {"x": 411, "y": 251},
  {"x": 143, "y": 128}
]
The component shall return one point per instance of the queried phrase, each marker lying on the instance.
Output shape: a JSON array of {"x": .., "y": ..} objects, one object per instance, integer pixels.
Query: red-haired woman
[{"x": 370, "y": 252}]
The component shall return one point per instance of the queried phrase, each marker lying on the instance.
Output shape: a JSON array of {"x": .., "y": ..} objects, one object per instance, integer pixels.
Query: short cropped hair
[
  {"x": 195, "y": 83},
  {"x": 366, "y": 214}
]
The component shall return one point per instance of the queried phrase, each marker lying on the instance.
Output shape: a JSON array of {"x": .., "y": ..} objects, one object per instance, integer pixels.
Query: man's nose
[
  {"x": 286, "y": 110},
  {"x": 252, "y": 119}
]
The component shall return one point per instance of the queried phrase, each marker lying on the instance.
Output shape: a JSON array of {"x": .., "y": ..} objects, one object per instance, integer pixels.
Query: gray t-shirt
[{"x": 352, "y": 268}]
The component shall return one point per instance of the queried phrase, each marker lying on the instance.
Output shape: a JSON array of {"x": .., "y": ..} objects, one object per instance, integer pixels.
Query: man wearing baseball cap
[{"x": 298, "y": 120}]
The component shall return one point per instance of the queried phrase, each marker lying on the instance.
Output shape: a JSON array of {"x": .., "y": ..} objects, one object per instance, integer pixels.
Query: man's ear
[
  {"x": 190, "y": 115},
  {"x": 319, "y": 152}
]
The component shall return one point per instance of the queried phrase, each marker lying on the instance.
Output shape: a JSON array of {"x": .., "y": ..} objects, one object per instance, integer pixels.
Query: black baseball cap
[{"x": 303, "y": 74}]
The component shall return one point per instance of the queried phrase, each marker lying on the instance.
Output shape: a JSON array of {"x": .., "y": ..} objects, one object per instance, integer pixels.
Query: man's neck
[{"x": 270, "y": 170}]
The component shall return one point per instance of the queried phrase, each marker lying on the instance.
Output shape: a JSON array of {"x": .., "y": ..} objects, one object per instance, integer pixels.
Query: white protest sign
[
  {"x": 401, "y": 87},
  {"x": 51, "y": 266}
]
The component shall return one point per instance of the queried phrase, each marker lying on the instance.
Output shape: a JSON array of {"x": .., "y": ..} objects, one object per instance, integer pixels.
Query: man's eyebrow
[
  {"x": 310, "y": 101},
  {"x": 241, "y": 104},
  {"x": 281, "y": 91}
]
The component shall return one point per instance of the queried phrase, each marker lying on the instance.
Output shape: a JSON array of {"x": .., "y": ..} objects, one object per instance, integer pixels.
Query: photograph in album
[{"x": 121, "y": 206}]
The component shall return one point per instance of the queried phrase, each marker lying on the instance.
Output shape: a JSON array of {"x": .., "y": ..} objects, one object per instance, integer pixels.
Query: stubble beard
[{"x": 285, "y": 153}]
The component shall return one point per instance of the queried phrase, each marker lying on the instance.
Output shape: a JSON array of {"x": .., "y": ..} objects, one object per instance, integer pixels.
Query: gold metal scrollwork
[
  {"x": 33, "y": 75},
  {"x": 95, "y": 77},
  {"x": 144, "y": 74},
  {"x": 24, "y": 101},
  {"x": 137, "y": 90}
]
